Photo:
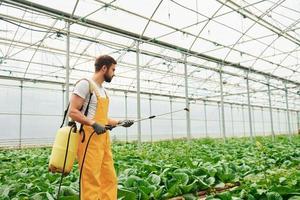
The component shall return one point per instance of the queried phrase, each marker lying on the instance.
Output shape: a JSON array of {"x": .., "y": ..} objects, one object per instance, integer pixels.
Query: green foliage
[{"x": 265, "y": 169}]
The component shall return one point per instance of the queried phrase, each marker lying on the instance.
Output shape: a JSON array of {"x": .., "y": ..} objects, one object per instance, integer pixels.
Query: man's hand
[
  {"x": 109, "y": 127},
  {"x": 126, "y": 123},
  {"x": 98, "y": 128}
]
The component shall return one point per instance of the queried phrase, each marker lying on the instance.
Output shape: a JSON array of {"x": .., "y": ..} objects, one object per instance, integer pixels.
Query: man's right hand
[{"x": 98, "y": 128}]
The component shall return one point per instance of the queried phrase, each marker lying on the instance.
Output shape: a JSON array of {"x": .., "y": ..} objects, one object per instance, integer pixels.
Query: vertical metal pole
[
  {"x": 278, "y": 118},
  {"x": 187, "y": 104},
  {"x": 243, "y": 116},
  {"x": 63, "y": 99},
  {"x": 285, "y": 123},
  {"x": 222, "y": 103},
  {"x": 138, "y": 91},
  {"x": 293, "y": 121},
  {"x": 253, "y": 120},
  {"x": 287, "y": 110},
  {"x": 67, "y": 69},
  {"x": 263, "y": 120},
  {"x": 296, "y": 117},
  {"x": 298, "y": 121},
  {"x": 271, "y": 113},
  {"x": 220, "y": 121},
  {"x": 126, "y": 116},
  {"x": 21, "y": 114},
  {"x": 172, "y": 125},
  {"x": 296, "y": 125},
  {"x": 249, "y": 107},
  {"x": 232, "y": 122},
  {"x": 150, "y": 107},
  {"x": 205, "y": 119}
]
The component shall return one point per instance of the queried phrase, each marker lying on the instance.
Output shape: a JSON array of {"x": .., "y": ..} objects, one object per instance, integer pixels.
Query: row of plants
[{"x": 237, "y": 169}]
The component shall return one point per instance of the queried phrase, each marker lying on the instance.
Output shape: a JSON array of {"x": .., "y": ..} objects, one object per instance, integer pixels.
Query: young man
[{"x": 98, "y": 178}]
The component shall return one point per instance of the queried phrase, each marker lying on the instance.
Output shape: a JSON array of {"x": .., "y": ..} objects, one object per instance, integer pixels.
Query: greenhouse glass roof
[{"x": 258, "y": 40}]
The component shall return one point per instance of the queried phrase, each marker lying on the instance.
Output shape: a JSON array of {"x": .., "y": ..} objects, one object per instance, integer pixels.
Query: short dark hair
[{"x": 104, "y": 60}]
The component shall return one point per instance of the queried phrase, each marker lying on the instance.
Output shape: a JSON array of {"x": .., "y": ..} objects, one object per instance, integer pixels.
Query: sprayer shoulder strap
[{"x": 92, "y": 89}]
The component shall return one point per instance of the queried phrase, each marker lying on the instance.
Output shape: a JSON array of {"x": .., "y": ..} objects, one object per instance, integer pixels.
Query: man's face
[{"x": 110, "y": 73}]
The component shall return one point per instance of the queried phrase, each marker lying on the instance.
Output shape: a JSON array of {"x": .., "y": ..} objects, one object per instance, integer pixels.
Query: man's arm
[
  {"x": 113, "y": 122},
  {"x": 125, "y": 123},
  {"x": 76, "y": 103}
]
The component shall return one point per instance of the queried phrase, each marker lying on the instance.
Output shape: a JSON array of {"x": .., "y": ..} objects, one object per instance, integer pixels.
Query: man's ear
[{"x": 104, "y": 68}]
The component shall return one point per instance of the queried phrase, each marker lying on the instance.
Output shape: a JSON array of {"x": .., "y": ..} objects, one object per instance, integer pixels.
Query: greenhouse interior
[{"x": 201, "y": 99}]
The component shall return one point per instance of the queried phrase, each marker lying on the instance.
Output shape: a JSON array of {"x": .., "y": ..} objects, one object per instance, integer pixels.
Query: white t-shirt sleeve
[{"x": 82, "y": 89}]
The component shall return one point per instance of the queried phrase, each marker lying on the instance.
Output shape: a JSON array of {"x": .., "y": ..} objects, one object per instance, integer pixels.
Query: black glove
[
  {"x": 98, "y": 128},
  {"x": 109, "y": 127},
  {"x": 126, "y": 123}
]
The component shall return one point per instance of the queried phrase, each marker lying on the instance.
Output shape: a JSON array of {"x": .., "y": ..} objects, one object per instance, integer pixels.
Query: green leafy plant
[{"x": 237, "y": 169}]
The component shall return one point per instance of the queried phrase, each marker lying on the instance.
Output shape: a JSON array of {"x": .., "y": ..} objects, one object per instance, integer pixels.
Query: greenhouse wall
[{"x": 31, "y": 114}]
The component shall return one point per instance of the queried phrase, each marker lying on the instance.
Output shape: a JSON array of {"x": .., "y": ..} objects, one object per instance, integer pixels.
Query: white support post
[
  {"x": 67, "y": 82},
  {"x": 126, "y": 115},
  {"x": 249, "y": 107},
  {"x": 270, "y": 109},
  {"x": 222, "y": 103},
  {"x": 151, "y": 127},
  {"x": 205, "y": 119},
  {"x": 288, "y": 111},
  {"x": 278, "y": 118},
  {"x": 187, "y": 103},
  {"x": 172, "y": 125},
  {"x": 138, "y": 93},
  {"x": 21, "y": 115},
  {"x": 243, "y": 116},
  {"x": 232, "y": 121},
  {"x": 263, "y": 120}
]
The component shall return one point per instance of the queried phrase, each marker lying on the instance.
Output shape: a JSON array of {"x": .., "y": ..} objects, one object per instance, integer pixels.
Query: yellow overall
[{"x": 98, "y": 179}]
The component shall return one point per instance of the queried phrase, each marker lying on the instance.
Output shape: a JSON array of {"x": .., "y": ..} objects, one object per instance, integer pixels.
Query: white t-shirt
[{"x": 82, "y": 89}]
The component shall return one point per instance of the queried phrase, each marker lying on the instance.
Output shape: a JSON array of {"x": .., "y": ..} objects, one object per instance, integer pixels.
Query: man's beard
[{"x": 107, "y": 78}]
